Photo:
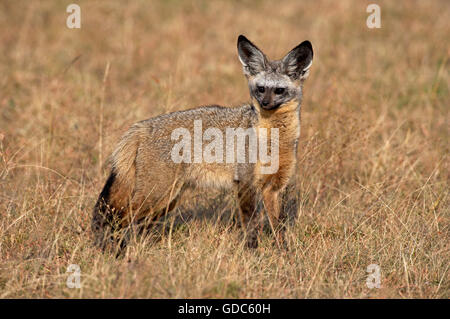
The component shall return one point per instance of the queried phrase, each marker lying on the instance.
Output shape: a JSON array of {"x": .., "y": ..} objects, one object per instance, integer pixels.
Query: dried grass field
[{"x": 374, "y": 147}]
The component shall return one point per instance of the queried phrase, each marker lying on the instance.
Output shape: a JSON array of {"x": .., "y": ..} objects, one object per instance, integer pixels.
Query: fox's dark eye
[
  {"x": 261, "y": 89},
  {"x": 279, "y": 91}
]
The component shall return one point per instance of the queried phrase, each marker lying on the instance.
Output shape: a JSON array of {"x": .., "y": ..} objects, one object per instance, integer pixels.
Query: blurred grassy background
[{"x": 374, "y": 173}]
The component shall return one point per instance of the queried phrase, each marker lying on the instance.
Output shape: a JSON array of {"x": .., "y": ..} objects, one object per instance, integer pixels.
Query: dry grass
[{"x": 374, "y": 177}]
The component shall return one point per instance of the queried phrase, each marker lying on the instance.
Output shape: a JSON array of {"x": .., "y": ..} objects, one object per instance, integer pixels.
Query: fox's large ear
[
  {"x": 297, "y": 62},
  {"x": 252, "y": 58}
]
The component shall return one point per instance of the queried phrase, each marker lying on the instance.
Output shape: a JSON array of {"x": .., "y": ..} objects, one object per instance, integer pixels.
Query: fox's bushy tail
[{"x": 113, "y": 201}]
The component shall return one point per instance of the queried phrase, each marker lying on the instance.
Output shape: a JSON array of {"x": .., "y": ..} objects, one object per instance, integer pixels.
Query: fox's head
[{"x": 275, "y": 83}]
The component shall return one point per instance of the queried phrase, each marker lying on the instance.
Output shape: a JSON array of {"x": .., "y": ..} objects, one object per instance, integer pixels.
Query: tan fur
[
  {"x": 145, "y": 182},
  {"x": 148, "y": 181},
  {"x": 287, "y": 120}
]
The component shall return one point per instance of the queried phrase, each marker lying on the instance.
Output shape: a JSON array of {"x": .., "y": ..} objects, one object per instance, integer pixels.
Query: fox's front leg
[
  {"x": 250, "y": 217},
  {"x": 272, "y": 207}
]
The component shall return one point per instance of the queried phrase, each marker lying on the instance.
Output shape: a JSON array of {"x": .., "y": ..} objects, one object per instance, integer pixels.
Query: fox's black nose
[{"x": 265, "y": 103}]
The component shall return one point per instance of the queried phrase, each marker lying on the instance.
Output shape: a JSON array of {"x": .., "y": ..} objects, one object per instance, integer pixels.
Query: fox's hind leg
[
  {"x": 143, "y": 217},
  {"x": 166, "y": 205},
  {"x": 121, "y": 213}
]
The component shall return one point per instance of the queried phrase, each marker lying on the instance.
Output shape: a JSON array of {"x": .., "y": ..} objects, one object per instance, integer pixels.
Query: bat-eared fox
[{"x": 148, "y": 175}]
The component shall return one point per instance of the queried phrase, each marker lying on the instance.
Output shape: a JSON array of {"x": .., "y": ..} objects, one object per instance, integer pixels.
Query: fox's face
[{"x": 274, "y": 83}]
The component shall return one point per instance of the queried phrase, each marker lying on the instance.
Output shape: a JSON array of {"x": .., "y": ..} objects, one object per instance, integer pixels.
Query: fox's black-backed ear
[
  {"x": 252, "y": 58},
  {"x": 298, "y": 61}
]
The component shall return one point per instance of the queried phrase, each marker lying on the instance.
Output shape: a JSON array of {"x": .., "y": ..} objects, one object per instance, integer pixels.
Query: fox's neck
[{"x": 286, "y": 118}]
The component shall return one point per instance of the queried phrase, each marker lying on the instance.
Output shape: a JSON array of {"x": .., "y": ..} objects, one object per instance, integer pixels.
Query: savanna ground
[{"x": 374, "y": 172}]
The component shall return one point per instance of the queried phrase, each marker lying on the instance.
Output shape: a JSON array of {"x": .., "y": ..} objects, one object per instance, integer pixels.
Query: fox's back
[
  {"x": 155, "y": 134},
  {"x": 154, "y": 159}
]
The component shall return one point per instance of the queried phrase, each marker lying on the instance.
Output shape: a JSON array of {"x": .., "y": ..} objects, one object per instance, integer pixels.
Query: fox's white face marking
[{"x": 274, "y": 83}]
